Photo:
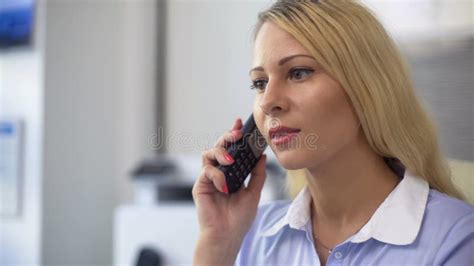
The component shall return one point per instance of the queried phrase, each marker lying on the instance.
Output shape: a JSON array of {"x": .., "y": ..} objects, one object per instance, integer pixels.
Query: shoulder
[
  {"x": 445, "y": 214},
  {"x": 450, "y": 222},
  {"x": 446, "y": 208}
]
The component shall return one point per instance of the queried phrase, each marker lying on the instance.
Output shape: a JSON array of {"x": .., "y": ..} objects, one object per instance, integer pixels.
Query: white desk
[{"x": 170, "y": 229}]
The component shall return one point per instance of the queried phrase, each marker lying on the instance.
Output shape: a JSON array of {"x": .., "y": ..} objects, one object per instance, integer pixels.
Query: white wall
[
  {"x": 412, "y": 20},
  {"x": 21, "y": 98},
  {"x": 99, "y": 110},
  {"x": 208, "y": 58},
  {"x": 21, "y": 94}
]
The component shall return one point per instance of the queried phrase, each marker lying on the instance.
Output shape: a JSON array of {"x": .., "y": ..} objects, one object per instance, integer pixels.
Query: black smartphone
[{"x": 246, "y": 152}]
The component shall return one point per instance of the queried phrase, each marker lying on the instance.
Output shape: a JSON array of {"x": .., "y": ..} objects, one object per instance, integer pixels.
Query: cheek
[
  {"x": 328, "y": 104},
  {"x": 341, "y": 112},
  {"x": 339, "y": 122},
  {"x": 331, "y": 118},
  {"x": 258, "y": 115}
]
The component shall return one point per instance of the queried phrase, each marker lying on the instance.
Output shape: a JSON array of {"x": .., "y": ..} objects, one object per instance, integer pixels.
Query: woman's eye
[
  {"x": 300, "y": 73},
  {"x": 259, "y": 85}
]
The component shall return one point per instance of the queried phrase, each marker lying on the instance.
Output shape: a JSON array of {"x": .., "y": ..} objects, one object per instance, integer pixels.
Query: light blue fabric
[{"x": 442, "y": 235}]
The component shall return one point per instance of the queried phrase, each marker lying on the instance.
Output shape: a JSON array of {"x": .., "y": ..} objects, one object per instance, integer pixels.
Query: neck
[{"x": 347, "y": 189}]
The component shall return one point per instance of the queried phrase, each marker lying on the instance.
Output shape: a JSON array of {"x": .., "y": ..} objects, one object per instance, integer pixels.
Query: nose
[{"x": 274, "y": 100}]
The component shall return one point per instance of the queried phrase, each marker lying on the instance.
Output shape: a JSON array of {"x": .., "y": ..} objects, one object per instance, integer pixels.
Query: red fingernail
[
  {"x": 236, "y": 121},
  {"x": 228, "y": 157},
  {"x": 224, "y": 189}
]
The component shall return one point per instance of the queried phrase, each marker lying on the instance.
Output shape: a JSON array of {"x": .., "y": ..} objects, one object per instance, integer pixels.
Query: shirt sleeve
[
  {"x": 458, "y": 246},
  {"x": 249, "y": 248},
  {"x": 252, "y": 248}
]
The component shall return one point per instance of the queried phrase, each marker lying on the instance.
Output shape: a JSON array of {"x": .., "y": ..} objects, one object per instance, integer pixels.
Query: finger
[
  {"x": 217, "y": 155},
  {"x": 237, "y": 124},
  {"x": 212, "y": 176},
  {"x": 258, "y": 176},
  {"x": 228, "y": 138}
]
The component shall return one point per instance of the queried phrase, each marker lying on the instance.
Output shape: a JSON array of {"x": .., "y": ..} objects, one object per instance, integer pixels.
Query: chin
[{"x": 291, "y": 159}]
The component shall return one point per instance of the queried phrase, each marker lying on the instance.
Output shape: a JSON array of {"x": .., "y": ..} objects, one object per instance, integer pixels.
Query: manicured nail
[
  {"x": 225, "y": 189},
  {"x": 236, "y": 120},
  {"x": 228, "y": 157}
]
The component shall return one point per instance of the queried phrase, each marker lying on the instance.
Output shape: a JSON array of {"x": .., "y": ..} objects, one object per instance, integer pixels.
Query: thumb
[{"x": 258, "y": 175}]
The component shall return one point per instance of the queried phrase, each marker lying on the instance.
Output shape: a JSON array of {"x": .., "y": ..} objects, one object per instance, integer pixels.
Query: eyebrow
[{"x": 282, "y": 61}]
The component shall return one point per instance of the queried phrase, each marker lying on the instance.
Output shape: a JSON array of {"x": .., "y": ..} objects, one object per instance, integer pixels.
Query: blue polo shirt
[{"x": 415, "y": 225}]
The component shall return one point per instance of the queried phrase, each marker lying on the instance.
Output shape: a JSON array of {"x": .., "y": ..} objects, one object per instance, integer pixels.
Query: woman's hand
[{"x": 224, "y": 218}]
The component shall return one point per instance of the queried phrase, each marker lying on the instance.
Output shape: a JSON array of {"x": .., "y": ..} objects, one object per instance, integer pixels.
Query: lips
[
  {"x": 281, "y": 135},
  {"x": 281, "y": 131}
]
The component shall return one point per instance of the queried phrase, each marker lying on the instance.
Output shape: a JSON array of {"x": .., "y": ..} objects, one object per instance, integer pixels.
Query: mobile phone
[{"x": 246, "y": 153}]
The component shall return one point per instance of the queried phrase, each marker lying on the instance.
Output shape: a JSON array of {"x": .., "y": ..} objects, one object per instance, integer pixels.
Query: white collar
[{"x": 396, "y": 221}]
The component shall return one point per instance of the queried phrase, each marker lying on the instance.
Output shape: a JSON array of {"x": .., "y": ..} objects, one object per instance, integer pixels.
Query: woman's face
[{"x": 304, "y": 114}]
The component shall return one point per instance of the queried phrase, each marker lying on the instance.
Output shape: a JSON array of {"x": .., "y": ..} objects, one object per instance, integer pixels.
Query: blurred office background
[{"x": 97, "y": 92}]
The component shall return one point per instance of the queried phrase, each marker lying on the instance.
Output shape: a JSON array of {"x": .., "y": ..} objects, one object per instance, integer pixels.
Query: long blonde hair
[{"x": 347, "y": 40}]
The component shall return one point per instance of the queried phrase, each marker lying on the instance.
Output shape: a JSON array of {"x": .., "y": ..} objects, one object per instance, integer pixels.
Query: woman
[{"x": 378, "y": 188}]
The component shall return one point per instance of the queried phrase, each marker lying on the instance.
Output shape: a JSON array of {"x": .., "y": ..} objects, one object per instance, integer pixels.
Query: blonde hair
[{"x": 347, "y": 40}]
